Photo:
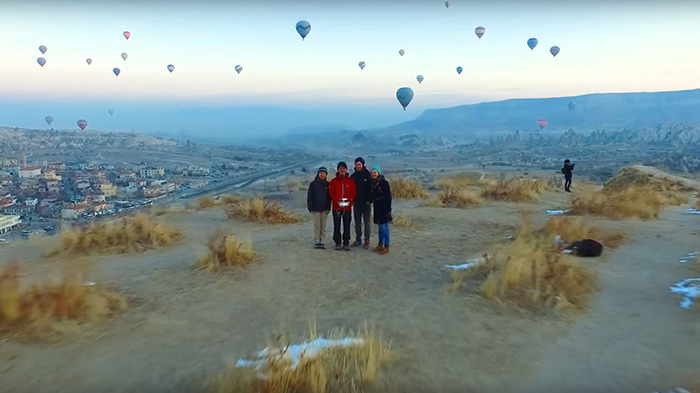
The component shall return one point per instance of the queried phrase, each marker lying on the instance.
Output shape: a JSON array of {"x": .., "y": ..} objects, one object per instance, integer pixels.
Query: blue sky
[{"x": 605, "y": 47}]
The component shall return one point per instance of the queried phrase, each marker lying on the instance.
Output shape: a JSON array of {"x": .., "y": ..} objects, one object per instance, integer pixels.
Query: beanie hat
[
  {"x": 377, "y": 168},
  {"x": 322, "y": 169},
  {"x": 566, "y": 161},
  {"x": 360, "y": 159},
  {"x": 343, "y": 164}
]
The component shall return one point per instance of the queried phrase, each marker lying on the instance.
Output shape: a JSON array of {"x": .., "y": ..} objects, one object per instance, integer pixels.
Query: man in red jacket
[{"x": 342, "y": 192}]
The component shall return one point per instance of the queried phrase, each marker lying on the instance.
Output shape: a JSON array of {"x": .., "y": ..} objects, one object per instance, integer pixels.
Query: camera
[{"x": 345, "y": 202}]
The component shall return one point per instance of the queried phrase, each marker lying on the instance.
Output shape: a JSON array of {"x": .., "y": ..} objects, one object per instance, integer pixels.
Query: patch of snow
[
  {"x": 678, "y": 390},
  {"x": 90, "y": 284},
  {"x": 470, "y": 263},
  {"x": 688, "y": 257},
  {"x": 556, "y": 212},
  {"x": 691, "y": 211},
  {"x": 688, "y": 290}
]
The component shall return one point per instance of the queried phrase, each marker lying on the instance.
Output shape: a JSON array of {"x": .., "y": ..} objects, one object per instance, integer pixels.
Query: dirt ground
[{"x": 185, "y": 327}]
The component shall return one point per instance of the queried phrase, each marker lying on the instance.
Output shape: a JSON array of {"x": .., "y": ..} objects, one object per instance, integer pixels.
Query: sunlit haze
[{"x": 605, "y": 47}]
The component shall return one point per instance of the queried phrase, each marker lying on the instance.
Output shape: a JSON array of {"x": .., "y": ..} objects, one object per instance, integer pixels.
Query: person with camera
[
  {"x": 566, "y": 170},
  {"x": 342, "y": 192}
]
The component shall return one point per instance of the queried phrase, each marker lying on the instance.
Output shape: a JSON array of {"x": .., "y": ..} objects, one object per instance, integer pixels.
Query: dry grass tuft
[
  {"x": 573, "y": 229},
  {"x": 207, "y": 202},
  {"x": 134, "y": 233},
  {"x": 294, "y": 185},
  {"x": 257, "y": 209},
  {"x": 697, "y": 205},
  {"x": 513, "y": 190},
  {"x": 403, "y": 188},
  {"x": 403, "y": 221},
  {"x": 226, "y": 250},
  {"x": 632, "y": 202},
  {"x": 460, "y": 181},
  {"x": 453, "y": 197},
  {"x": 41, "y": 307},
  {"x": 341, "y": 369},
  {"x": 531, "y": 273}
]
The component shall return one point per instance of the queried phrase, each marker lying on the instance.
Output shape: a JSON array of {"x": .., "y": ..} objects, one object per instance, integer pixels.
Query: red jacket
[{"x": 342, "y": 187}]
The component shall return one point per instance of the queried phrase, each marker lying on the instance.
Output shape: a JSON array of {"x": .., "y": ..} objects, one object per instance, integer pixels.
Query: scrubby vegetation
[
  {"x": 258, "y": 209},
  {"x": 226, "y": 250},
  {"x": 318, "y": 369},
  {"x": 207, "y": 202},
  {"x": 403, "y": 221},
  {"x": 403, "y": 188},
  {"x": 134, "y": 233},
  {"x": 572, "y": 229},
  {"x": 513, "y": 190}
]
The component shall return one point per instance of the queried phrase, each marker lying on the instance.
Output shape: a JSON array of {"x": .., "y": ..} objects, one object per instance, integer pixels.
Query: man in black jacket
[
  {"x": 362, "y": 209},
  {"x": 318, "y": 201},
  {"x": 566, "y": 170}
]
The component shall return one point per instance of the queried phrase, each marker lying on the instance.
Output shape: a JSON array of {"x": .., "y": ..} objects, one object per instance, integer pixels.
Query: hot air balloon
[
  {"x": 459, "y": 70},
  {"x": 41, "y": 61},
  {"x": 571, "y": 106},
  {"x": 43, "y": 49},
  {"x": 124, "y": 56},
  {"x": 127, "y": 35},
  {"x": 362, "y": 65},
  {"x": 303, "y": 28},
  {"x": 82, "y": 124},
  {"x": 404, "y": 95},
  {"x": 171, "y": 67},
  {"x": 554, "y": 51},
  {"x": 116, "y": 71},
  {"x": 401, "y": 52},
  {"x": 110, "y": 111},
  {"x": 542, "y": 123},
  {"x": 88, "y": 60},
  {"x": 419, "y": 78},
  {"x": 48, "y": 120},
  {"x": 480, "y": 31},
  {"x": 447, "y": 4},
  {"x": 238, "y": 68},
  {"x": 532, "y": 43}
]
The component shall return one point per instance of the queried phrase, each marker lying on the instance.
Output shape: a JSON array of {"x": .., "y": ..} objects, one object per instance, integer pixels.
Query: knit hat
[
  {"x": 360, "y": 159},
  {"x": 567, "y": 161},
  {"x": 322, "y": 169},
  {"x": 377, "y": 168},
  {"x": 343, "y": 164}
]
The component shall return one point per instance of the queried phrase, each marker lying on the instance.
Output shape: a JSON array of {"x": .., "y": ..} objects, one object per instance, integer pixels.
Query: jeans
[
  {"x": 567, "y": 182},
  {"x": 362, "y": 212},
  {"x": 384, "y": 238},
  {"x": 345, "y": 217},
  {"x": 320, "y": 219}
]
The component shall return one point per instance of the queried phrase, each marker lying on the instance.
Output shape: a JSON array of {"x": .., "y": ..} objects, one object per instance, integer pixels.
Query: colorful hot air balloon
[
  {"x": 459, "y": 70},
  {"x": 88, "y": 60},
  {"x": 480, "y": 31},
  {"x": 571, "y": 106},
  {"x": 554, "y": 51},
  {"x": 401, "y": 52},
  {"x": 532, "y": 43},
  {"x": 110, "y": 111},
  {"x": 124, "y": 56},
  {"x": 542, "y": 123},
  {"x": 41, "y": 61},
  {"x": 82, "y": 124},
  {"x": 404, "y": 95},
  {"x": 447, "y": 4},
  {"x": 362, "y": 65},
  {"x": 238, "y": 68},
  {"x": 48, "y": 119},
  {"x": 171, "y": 67},
  {"x": 127, "y": 35},
  {"x": 303, "y": 28},
  {"x": 419, "y": 78},
  {"x": 116, "y": 71}
]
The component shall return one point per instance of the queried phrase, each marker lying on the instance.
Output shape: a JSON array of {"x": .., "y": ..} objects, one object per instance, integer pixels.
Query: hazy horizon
[{"x": 606, "y": 47}]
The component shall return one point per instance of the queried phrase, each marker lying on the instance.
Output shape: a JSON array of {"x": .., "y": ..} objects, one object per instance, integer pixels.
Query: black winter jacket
[
  {"x": 362, "y": 179},
  {"x": 318, "y": 199},
  {"x": 381, "y": 197},
  {"x": 567, "y": 169}
]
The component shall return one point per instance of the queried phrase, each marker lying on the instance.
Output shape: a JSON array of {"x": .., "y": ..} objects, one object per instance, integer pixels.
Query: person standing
[
  {"x": 381, "y": 198},
  {"x": 566, "y": 170},
  {"x": 362, "y": 209},
  {"x": 342, "y": 192},
  {"x": 318, "y": 201}
]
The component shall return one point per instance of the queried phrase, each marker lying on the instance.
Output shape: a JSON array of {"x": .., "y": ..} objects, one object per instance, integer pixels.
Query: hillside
[{"x": 599, "y": 111}]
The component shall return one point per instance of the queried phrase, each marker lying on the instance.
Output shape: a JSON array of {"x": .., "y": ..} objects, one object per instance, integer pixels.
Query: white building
[
  {"x": 152, "y": 173},
  {"x": 29, "y": 172},
  {"x": 8, "y": 223}
]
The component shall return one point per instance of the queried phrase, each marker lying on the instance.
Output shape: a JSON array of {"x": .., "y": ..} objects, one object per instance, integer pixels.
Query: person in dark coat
[
  {"x": 566, "y": 170},
  {"x": 362, "y": 209},
  {"x": 380, "y": 192},
  {"x": 318, "y": 201},
  {"x": 586, "y": 248}
]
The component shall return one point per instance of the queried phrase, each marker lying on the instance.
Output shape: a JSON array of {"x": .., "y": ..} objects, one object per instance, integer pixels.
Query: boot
[
  {"x": 384, "y": 251},
  {"x": 379, "y": 248}
]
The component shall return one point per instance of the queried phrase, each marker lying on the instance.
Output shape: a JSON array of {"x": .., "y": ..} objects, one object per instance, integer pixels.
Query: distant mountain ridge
[{"x": 597, "y": 111}]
